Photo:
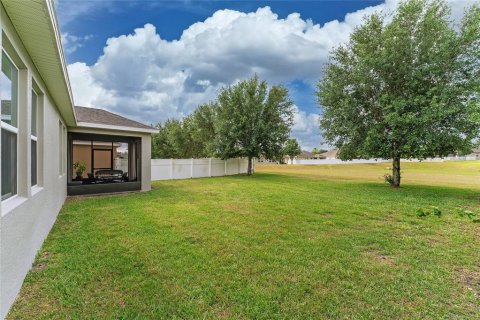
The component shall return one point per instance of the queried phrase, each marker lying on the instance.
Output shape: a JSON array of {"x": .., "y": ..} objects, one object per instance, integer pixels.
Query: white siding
[{"x": 27, "y": 218}]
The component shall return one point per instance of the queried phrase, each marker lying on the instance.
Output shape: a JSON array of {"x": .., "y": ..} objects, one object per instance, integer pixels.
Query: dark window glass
[
  {"x": 9, "y": 164},
  {"x": 8, "y": 94},
  {"x": 34, "y": 162},
  {"x": 34, "y": 114}
]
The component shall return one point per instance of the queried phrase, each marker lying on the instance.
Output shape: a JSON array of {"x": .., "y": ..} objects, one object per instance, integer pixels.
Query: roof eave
[
  {"x": 52, "y": 71},
  {"x": 90, "y": 125}
]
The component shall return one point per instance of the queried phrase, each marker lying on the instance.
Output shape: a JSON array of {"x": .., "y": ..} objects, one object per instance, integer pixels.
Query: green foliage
[
  {"x": 202, "y": 129},
  {"x": 318, "y": 151},
  {"x": 466, "y": 213},
  {"x": 191, "y": 137},
  {"x": 405, "y": 87},
  {"x": 436, "y": 211},
  {"x": 80, "y": 167},
  {"x": 252, "y": 120},
  {"x": 246, "y": 120},
  {"x": 291, "y": 148},
  {"x": 424, "y": 212},
  {"x": 388, "y": 179},
  {"x": 171, "y": 141}
]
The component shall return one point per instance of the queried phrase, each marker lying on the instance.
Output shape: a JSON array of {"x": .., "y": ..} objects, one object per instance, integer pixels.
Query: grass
[{"x": 290, "y": 242}]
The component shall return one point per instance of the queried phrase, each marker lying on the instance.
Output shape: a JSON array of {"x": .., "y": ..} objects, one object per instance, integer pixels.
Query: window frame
[
  {"x": 34, "y": 137},
  {"x": 12, "y": 129}
]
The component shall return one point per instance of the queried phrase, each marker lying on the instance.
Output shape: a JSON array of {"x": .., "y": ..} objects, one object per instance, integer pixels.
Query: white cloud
[
  {"x": 306, "y": 130},
  {"x": 145, "y": 77},
  {"x": 72, "y": 42}
]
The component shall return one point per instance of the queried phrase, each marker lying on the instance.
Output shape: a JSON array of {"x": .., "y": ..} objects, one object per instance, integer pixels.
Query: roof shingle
[{"x": 94, "y": 115}]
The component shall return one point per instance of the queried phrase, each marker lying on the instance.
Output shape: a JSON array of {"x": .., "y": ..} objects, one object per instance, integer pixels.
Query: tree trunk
[
  {"x": 396, "y": 172},
  {"x": 249, "y": 170}
]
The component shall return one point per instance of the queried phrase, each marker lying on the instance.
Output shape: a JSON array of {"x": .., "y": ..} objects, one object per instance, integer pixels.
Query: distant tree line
[
  {"x": 248, "y": 119},
  {"x": 191, "y": 137}
]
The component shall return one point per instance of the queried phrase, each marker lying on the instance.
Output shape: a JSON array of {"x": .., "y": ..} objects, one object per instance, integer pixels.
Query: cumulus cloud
[
  {"x": 145, "y": 77},
  {"x": 72, "y": 42},
  {"x": 306, "y": 130}
]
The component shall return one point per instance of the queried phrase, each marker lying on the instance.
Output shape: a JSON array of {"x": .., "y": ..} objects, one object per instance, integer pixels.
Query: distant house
[
  {"x": 475, "y": 153},
  {"x": 306, "y": 155},
  {"x": 43, "y": 134},
  {"x": 329, "y": 155}
]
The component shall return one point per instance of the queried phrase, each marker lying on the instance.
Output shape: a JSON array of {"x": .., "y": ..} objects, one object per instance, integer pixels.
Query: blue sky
[{"x": 154, "y": 60}]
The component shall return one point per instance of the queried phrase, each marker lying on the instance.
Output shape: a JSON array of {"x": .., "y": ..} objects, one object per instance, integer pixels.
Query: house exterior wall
[{"x": 26, "y": 219}]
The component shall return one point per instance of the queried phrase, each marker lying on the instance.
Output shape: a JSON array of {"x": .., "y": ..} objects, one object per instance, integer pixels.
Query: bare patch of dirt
[
  {"x": 236, "y": 207},
  {"x": 440, "y": 241},
  {"x": 324, "y": 214},
  {"x": 221, "y": 312},
  {"x": 211, "y": 193},
  {"x": 193, "y": 239},
  {"x": 470, "y": 280},
  {"x": 379, "y": 257},
  {"x": 42, "y": 261}
]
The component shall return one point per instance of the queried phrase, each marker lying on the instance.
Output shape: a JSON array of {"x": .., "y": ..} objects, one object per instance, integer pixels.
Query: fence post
[
  {"x": 171, "y": 169},
  {"x": 225, "y": 166},
  {"x": 238, "y": 165},
  {"x": 191, "y": 168},
  {"x": 209, "y": 167}
]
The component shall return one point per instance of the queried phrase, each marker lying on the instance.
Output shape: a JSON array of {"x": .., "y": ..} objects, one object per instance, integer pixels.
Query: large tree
[
  {"x": 404, "y": 86},
  {"x": 252, "y": 120},
  {"x": 291, "y": 148},
  {"x": 164, "y": 143},
  {"x": 202, "y": 129},
  {"x": 190, "y": 137}
]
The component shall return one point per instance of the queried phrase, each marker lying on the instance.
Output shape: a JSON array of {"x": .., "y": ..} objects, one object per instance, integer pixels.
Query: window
[
  {"x": 9, "y": 126},
  {"x": 33, "y": 138}
]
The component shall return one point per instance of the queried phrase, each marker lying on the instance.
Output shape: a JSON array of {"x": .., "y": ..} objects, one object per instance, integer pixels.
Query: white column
[{"x": 146, "y": 162}]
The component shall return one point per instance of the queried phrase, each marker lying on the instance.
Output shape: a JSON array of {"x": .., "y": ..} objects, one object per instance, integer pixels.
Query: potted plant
[{"x": 79, "y": 167}]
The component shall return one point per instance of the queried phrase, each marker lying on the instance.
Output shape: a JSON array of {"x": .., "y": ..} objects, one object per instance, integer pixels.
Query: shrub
[
  {"x": 433, "y": 210},
  {"x": 436, "y": 211},
  {"x": 466, "y": 213},
  {"x": 422, "y": 212},
  {"x": 388, "y": 179}
]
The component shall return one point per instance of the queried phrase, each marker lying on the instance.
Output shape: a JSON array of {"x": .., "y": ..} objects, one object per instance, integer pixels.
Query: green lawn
[{"x": 290, "y": 242}]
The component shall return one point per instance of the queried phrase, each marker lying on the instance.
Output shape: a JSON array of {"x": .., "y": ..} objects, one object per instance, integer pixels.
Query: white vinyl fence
[
  {"x": 169, "y": 169},
  {"x": 334, "y": 161},
  {"x": 338, "y": 161}
]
